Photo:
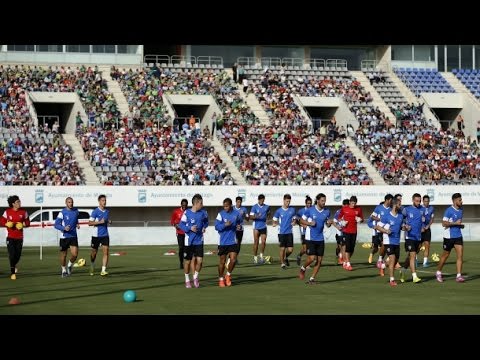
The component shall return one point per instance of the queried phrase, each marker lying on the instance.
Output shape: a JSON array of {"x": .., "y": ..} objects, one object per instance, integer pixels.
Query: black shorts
[
  {"x": 67, "y": 242},
  {"x": 227, "y": 249},
  {"x": 427, "y": 235},
  {"x": 181, "y": 240},
  {"x": 340, "y": 239},
  {"x": 315, "y": 248},
  {"x": 96, "y": 241},
  {"x": 392, "y": 250},
  {"x": 412, "y": 245},
  {"x": 350, "y": 240},
  {"x": 239, "y": 236},
  {"x": 192, "y": 250},
  {"x": 285, "y": 240},
  {"x": 448, "y": 244},
  {"x": 262, "y": 231},
  {"x": 302, "y": 236},
  {"x": 377, "y": 239}
]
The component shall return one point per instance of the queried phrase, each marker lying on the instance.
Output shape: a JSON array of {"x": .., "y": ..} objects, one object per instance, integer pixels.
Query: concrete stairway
[
  {"x": 114, "y": 88},
  {"x": 236, "y": 175},
  {"x": 257, "y": 109},
  {"x": 377, "y": 99},
  {"x": 404, "y": 90},
  {"x": 252, "y": 102},
  {"x": 90, "y": 175},
  {"x": 371, "y": 171},
  {"x": 412, "y": 99}
]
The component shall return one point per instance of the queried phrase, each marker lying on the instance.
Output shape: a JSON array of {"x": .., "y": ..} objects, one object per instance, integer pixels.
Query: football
[{"x": 80, "y": 263}]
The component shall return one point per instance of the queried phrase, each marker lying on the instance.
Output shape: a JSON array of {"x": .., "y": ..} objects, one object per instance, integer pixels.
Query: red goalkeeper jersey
[{"x": 19, "y": 216}]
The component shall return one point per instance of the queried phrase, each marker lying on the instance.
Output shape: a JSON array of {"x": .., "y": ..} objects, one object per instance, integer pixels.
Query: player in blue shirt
[
  {"x": 303, "y": 250},
  {"x": 377, "y": 244},
  {"x": 245, "y": 217},
  {"x": 429, "y": 213},
  {"x": 67, "y": 223},
  {"x": 227, "y": 223},
  {"x": 100, "y": 219},
  {"x": 391, "y": 225},
  {"x": 452, "y": 237},
  {"x": 285, "y": 218},
  {"x": 315, "y": 218},
  {"x": 259, "y": 214},
  {"x": 194, "y": 222},
  {"x": 413, "y": 235}
]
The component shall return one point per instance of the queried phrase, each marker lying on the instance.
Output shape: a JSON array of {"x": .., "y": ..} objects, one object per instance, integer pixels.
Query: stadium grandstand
[{"x": 242, "y": 115}]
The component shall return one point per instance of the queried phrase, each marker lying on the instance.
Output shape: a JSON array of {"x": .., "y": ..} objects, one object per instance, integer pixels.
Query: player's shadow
[
  {"x": 349, "y": 278},
  {"x": 242, "y": 280}
]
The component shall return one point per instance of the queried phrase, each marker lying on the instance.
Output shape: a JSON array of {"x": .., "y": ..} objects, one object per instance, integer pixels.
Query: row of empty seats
[
  {"x": 424, "y": 80},
  {"x": 471, "y": 80}
]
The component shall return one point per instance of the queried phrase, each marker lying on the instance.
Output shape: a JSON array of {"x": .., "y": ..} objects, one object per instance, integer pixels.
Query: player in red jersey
[
  {"x": 175, "y": 220},
  {"x": 14, "y": 219},
  {"x": 351, "y": 215}
]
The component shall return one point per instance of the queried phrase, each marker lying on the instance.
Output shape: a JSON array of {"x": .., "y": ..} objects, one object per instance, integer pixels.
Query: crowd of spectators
[
  {"x": 32, "y": 155},
  {"x": 414, "y": 152}
]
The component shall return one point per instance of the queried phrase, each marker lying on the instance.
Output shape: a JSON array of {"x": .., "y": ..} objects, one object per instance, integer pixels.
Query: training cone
[{"x": 14, "y": 301}]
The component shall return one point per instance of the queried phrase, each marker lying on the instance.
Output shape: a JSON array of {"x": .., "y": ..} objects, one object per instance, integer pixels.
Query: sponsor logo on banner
[
  {"x": 337, "y": 195},
  {"x": 242, "y": 193},
  {"x": 142, "y": 196},
  {"x": 39, "y": 196},
  {"x": 431, "y": 194}
]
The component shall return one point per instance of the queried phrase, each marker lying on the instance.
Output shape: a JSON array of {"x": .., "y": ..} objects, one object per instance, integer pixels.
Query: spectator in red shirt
[
  {"x": 175, "y": 220},
  {"x": 350, "y": 215},
  {"x": 14, "y": 219}
]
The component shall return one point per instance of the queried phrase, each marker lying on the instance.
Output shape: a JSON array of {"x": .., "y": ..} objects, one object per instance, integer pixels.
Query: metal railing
[
  {"x": 270, "y": 61},
  {"x": 368, "y": 65},
  {"x": 273, "y": 62},
  {"x": 248, "y": 61},
  {"x": 151, "y": 60},
  {"x": 209, "y": 60},
  {"x": 293, "y": 62},
  {"x": 336, "y": 64},
  {"x": 182, "y": 61},
  {"x": 317, "y": 63},
  {"x": 42, "y": 119}
]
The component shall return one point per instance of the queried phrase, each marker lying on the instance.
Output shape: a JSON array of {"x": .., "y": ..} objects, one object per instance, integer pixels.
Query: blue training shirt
[
  {"x": 413, "y": 217},
  {"x": 428, "y": 214},
  {"x": 451, "y": 215},
  {"x": 315, "y": 233},
  {"x": 299, "y": 216},
  {"x": 67, "y": 217},
  {"x": 379, "y": 211},
  {"x": 242, "y": 211},
  {"x": 189, "y": 219},
  {"x": 261, "y": 221},
  {"x": 394, "y": 223},
  {"x": 98, "y": 214},
  {"x": 227, "y": 232},
  {"x": 285, "y": 218}
]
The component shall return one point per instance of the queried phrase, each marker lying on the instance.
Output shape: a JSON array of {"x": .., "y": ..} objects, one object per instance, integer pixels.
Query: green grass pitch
[{"x": 265, "y": 289}]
